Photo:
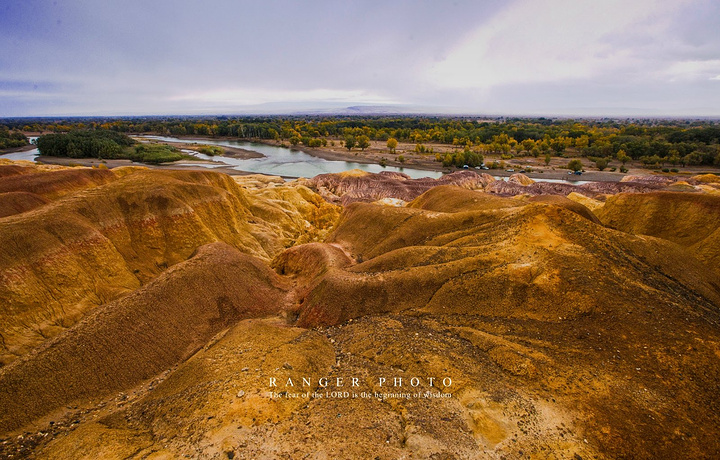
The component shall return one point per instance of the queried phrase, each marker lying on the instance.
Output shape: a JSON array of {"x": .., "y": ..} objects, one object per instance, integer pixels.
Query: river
[
  {"x": 282, "y": 161},
  {"x": 279, "y": 161}
]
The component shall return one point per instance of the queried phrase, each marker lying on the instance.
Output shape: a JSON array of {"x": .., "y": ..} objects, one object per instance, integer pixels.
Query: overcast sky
[{"x": 512, "y": 57}]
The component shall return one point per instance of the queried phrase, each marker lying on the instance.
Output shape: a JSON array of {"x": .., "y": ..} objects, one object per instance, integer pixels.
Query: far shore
[
  {"x": 24, "y": 148},
  {"x": 232, "y": 152}
]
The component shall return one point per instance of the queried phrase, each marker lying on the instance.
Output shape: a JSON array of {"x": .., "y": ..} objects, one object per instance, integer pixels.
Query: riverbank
[
  {"x": 23, "y": 148},
  {"x": 427, "y": 164},
  {"x": 232, "y": 152},
  {"x": 376, "y": 154},
  {"x": 180, "y": 165}
]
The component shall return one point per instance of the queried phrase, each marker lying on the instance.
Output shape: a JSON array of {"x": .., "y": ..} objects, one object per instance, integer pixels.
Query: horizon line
[{"x": 369, "y": 113}]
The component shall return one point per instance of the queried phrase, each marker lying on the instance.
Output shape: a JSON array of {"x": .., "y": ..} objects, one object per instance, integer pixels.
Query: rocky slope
[
  {"x": 142, "y": 334},
  {"x": 357, "y": 185},
  {"x": 96, "y": 235},
  {"x": 521, "y": 326},
  {"x": 690, "y": 220}
]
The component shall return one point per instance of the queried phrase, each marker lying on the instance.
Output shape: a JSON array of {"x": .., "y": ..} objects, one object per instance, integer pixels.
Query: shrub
[
  {"x": 156, "y": 153},
  {"x": 211, "y": 150},
  {"x": 575, "y": 165}
]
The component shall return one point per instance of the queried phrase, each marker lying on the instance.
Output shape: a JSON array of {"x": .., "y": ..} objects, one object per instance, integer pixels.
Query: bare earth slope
[
  {"x": 691, "y": 220},
  {"x": 94, "y": 243},
  {"x": 533, "y": 260},
  {"x": 533, "y": 330},
  {"x": 586, "y": 317},
  {"x": 142, "y": 334}
]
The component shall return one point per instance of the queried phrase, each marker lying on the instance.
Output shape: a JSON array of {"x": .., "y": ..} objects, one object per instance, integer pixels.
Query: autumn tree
[
  {"x": 528, "y": 145},
  {"x": 559, "y": 144},
  {"x": 350, "y": 142},
  {"x": 622, "y": 157},
  {"x": 392, "y": 144},
  {"x": 363, "y": 142},
  {"x": 582, "y": 142}
]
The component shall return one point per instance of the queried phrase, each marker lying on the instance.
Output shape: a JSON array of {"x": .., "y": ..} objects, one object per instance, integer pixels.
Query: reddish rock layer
[{"x": 350, "y": 188}]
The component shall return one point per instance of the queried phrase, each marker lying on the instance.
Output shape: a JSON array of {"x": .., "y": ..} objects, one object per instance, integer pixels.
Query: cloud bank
[{"x": 550, "y": 57}]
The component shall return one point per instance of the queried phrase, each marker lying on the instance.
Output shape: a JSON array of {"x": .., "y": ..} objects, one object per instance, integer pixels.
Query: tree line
[
  {"x": 81, "y": 143},
  {"x": 653, "y": 142},
  {"x": 105, "y": 144},
  {"x": 11, "y": 139}
]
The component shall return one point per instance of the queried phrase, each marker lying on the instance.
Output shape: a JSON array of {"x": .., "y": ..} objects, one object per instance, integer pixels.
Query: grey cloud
[{"x": 134, "y": 56}]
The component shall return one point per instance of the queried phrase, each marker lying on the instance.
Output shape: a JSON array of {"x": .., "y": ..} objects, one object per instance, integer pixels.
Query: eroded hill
[
  {"x": 555, "y": 335},
  {"x": 95, "y": 235}
]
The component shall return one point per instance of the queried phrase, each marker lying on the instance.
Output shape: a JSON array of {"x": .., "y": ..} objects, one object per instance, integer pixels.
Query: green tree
[
  {"x": 652, "y": 160},
  {"x": 548, "y": 157},
  {"x": 575, "y": 165},
  {"x": 559, "y": 144},
  {"x": 350, "y": 142},
  {"x": 601, "y": 163}
]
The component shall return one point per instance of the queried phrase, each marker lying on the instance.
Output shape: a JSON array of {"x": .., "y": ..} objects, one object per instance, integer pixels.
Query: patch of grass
[
  {"x": 154, "y": 154},
  {"x": 211, "y": 150}
]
